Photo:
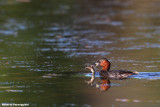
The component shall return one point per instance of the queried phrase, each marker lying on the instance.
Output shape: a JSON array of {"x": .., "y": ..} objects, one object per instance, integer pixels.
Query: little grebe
[{"x": 113, "y": 74}]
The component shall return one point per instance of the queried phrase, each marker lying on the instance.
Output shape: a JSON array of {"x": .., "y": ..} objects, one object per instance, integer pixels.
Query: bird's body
[
  {"x": 117, "y": 74},
  {"x": 113, "y": 74}
]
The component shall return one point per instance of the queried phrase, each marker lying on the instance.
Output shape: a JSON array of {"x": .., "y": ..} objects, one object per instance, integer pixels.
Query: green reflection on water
[
  {"x": 40, "y": 37},
  {"x": 23, "y": 60}
]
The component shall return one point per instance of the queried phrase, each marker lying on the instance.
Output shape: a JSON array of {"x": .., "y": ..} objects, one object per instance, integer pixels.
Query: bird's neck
[{"x": 105, "y": 68}]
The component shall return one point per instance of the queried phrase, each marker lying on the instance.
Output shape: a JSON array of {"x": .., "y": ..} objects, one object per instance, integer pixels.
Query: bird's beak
[{"x": 97, "y": 63}]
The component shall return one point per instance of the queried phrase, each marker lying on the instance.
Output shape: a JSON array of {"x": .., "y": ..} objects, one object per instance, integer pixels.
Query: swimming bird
[{"x": 113, "y": 74}]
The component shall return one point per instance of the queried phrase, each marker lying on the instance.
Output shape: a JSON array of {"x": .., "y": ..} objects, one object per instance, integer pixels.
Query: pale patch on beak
[{"x": 97, "y": 63}]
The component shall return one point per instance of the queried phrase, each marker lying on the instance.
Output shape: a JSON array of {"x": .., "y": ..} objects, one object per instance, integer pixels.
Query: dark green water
[{"x": 46, "y": 44}]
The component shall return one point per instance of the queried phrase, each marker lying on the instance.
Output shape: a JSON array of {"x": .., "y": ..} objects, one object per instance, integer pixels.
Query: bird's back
[{"x": 116, "y": 74}]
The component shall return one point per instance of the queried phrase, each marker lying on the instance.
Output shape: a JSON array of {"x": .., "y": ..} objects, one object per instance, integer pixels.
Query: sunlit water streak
[{"x": 141, "y": 75}]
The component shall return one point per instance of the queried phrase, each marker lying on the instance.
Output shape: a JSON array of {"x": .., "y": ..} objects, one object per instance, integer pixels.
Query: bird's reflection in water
[{"x": 105, "y": 83}]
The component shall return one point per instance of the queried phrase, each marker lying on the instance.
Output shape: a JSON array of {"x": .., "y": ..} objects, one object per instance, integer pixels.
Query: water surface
[{"x": 45, "y": 46}]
